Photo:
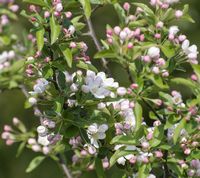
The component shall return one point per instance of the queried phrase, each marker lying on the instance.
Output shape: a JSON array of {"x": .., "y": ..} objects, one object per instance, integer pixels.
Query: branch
[
  {"x": 92, "y": 34},
  {"x": 38, "y": 113}
]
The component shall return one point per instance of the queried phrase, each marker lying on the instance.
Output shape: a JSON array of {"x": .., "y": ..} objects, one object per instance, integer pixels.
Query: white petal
[
  {"x": 121, "y": 161},
  {"x": 103, "y": 128}
]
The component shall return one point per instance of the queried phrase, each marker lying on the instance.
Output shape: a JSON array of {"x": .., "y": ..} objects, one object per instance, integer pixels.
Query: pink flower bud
[
  {"x": 59, "y": 7},
  {"x": 32, "y": 8},
  {"x": 106, "y": 164},
  {"x": 46, "y": 14},
  {"x": 194, "y": 77},
  {"x": 130, "y": 45},
  {"x": 126, "y": 6},
  {"x": 178, "y": 14},
  {"x": 9, "y": 142},
  {"x": 160, "y": 62},
  {"x": 68, "y": 14},
  {"x": 182, "y": 38},
  {"x": 84, "y": 153},
  {"x": 46, "y": 150},
  {"x": 191, "y": 173},
  {"x": 149, "y": 136},
  {"x": 171, "y": 37},
  {"x": 31, "y": 141},
  {"x": 72, "y": 45},
  {"x": 14, "y": 8},
  {"x": 145, "y": 160},
  {"x": 158, "y": 154},
  {"x": 155, "y": 70},
  {"x": 187, "y": 151},
  {"x": 165, "y": 74},
  {"x": 157, "y": 35},
  {"x": 146, "y": 59},
  {"x": 7, "y": 128},
  {"x": 91, "y": 150},
  {"x": 110, "y": 40},
  {"x": 142, "y": 37},
  {"x": 5, "y": 135},
  {"x": 15, "y": 121},
  {"x": 117, "y": 30},
  {"x": 134, "y": 86},
  {"x": 36, "y": 148},
  {"x": 145, "y": 145},
  {"x": 153, "y": 2},
  {"x": 123, "y": 35},
  {"x": 156, "y": 123},
  {"x": 159, "y": 25}
]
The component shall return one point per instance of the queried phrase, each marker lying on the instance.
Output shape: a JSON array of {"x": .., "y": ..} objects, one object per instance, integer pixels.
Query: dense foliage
[{"x": 86, "y": 119}]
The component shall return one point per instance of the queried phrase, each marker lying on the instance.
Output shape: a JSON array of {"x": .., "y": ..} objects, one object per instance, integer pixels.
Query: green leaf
[
  {"x": 86, "y": 7},
  {"x": 138, "y": 115},
  {"x": 35, "y": 163},
  {"x": 20, "y": 148},
  {"x": 105, "y": 54},
  {"x": 178, "y": 129},
  {"x": 37, "y": 2},
  {"x": 168, "y": 49},
  {"x": 196, "y": 69},
  {"x": 185, "y": 82},
  {"x": 99, "y": 168},
  {"x": 55, "y": 29},
  {"x": 47, "y": 72},
  {"x": 59, "y": 105},
  {"x": 142, "y": 171},
  {"x": 146, "y": 9},
  {"x": 120, "y": 12},
  {"x": 86, "y": 66},
  {"x": 67, "y": 54},
  {"x": 40, "y": 38},
  {"x": 123, "y": 139},
  {"x": 118, "y": 154},
  {"x": 157, "y": 80}
]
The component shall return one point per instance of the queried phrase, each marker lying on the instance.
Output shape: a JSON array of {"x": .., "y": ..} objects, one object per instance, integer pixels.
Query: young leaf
[
  {"x": 67, "y": 54},
  {"x": 37, "y": 2},
  {"x": 123, "y": 139},
  {"x": 40, "y": 38},
  {"x": 86, "y": 7},
  {"x": 105, "y": 54},
  {"x": 86, "y": 66},
  {"x": 178, "y": 129},
  {"x": 138, "y": 115},
  {"x": 55, "y": 29},
  {"x": 35, "y": 163},
  {"x": 20, "y": 148},
  {"x": 99, "y": 168},
  {"x": 120, "y": 12}
]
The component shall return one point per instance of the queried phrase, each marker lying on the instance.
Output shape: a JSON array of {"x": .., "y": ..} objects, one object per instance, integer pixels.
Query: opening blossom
[
  {"x": 98, "y": 84},
  {"x": 96, "y": 132},
  {"x": 40, "y": 87}
]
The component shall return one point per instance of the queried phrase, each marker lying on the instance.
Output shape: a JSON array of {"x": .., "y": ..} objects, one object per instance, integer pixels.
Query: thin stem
[
  {"x": 64, "y": 167},
  {"x": 92, "y": 34}
]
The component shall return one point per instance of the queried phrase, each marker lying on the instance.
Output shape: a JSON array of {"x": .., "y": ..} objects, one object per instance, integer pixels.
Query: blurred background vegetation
[{"x": 12, "y": 102}]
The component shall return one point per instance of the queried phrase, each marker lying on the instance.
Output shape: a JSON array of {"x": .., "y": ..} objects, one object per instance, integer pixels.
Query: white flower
[
  {"x": 121, "y": 161},
  {"x": 173, "y": 30},
  {"x": 40, "y": 87},
  {"x": 153, "y": 52},
  {"x": 59, "y": 7},
  {"x": 43, "y": 140},
  {"x": 151, "y": 176},
  {"x": 96, "y": 132},
  {"x": 129, "y": 118},
  {"x": 32, "y": 100},
  {"x": 121, "y": 91},
  {"x": 170, "y": 1},
  {"x": 98, "y": 84},
  {"x": 71, "y": 29},
  {"x": 190, "y": 51}
]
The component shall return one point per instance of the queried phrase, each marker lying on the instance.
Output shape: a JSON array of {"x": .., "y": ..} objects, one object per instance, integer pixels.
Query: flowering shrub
[{"x": 87, "y": 120}]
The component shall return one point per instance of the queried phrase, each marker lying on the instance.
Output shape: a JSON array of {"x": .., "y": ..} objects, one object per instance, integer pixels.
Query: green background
[{"x": 12, "y": 102}]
